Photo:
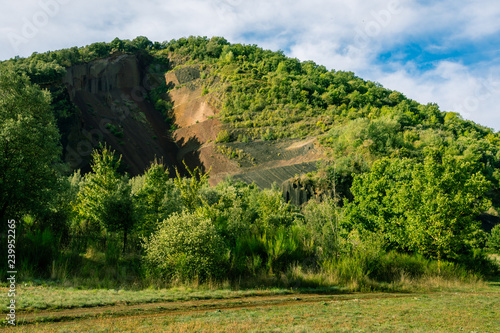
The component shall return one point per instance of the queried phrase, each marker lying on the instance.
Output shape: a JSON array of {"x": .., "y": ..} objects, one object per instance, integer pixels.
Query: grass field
[{"x": 468, "y": 308}]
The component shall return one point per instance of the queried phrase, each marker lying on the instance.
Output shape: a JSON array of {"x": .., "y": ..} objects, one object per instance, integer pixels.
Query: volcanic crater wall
[
  {"x": 104, "y": 75},
  {"x": 111, "y": 96}
]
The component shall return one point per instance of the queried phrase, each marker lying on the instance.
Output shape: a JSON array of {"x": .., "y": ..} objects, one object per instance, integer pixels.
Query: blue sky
[{"x": 445, "y": 52}]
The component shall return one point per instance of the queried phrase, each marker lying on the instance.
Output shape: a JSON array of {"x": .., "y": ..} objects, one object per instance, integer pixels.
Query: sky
[{"x": 445, "y": 52}]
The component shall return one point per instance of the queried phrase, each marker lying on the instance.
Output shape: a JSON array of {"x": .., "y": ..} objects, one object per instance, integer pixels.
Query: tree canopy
[
  {"x": 428, "y": 207},
  {"x": 29, "y": 150}
]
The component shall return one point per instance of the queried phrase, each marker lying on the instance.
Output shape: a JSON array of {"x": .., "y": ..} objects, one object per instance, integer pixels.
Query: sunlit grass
[
  {"x": 31, "y": 298},
  {"x": 433, "y": 312}
]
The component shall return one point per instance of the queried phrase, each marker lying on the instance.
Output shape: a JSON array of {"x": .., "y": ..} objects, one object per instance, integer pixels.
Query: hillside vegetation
[{"x": 387, "y": 188}]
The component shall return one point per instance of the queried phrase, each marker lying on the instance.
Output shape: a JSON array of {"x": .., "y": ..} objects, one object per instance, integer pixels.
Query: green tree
[
  {"x": 154, "y": 198},
  {"x": 444, "y": 201},
  {"x": 493, "y": 243},
  {"x": 142, "y": 43},
  {"x": 428, "y": 207},
  {"x": 117, "y": 44},
  {"x": 323, "y": 226},
  {"x": 99, "y": 49},
  {"x": 271, "y": 211},
  {"x": 190, "y": 187},
  {"x": 374, "y": 195},
  {"x": 29, "y": 147},
  {"x": 104, "y": 202}
]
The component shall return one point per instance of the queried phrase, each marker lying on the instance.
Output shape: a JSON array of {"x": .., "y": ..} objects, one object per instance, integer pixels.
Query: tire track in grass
[{"x": 175, "y": 308}]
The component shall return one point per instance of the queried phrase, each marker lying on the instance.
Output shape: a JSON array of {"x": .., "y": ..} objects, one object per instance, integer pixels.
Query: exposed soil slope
[
  {"x": 111, "y": 95},
  {"x": 262, "y": 162}
]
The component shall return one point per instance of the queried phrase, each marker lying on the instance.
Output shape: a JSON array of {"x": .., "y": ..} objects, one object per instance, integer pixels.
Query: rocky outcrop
[
  {"x": 111, "y": 96},
  {"x": 110, "y": 93},
  {"x": 104, "y": 75},
  {"x": 191, "y": 106},
  {"x": 296, "y": 193}
]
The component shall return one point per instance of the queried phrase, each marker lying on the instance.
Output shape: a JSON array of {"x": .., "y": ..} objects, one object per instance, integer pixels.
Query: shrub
[
  {"x": 391, "y": 266},
  {"x": 38, "y": 250},
  {"x": 223, "y": 137},
  {"x": 359, "y": 257},
  {"x": 268, "y": 135},
  {"x": 186, "y": 247},
  {"x": 323, "y": 225},
  {"x": 493, "y": 243},
  {"x": 115, "y": 130}
]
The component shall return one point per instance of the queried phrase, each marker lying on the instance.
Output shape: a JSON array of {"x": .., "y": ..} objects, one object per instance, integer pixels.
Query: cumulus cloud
[
  {"x": 454, "y": 87},
  {"x": 341, "y": 35}
]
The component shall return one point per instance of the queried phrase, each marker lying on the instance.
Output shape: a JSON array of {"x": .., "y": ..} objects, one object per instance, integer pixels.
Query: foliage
[
  {"x": 273, "y": 212},
  {"x": 494, "y": 239},
  {"x": 324, "y": 228},
  {"x": 115, "y": 130},
  {"x": 425, "y": 207},
  {"x": 190, "y": 187},
  {"x": 38, "y": 249},
  {"x": 156, "y": 198},
  {"x": 160, "y": 100},
  {"x": 185, "y": 247},
  {"x": 104, "y": 202},
  {"x": 223, "y": 137},
  {"x": 265, "y": 95},
  {"x": 50, "y": 66},
  {"x": 402, "y": 185},
  {"x": 29, "y": 149},
  {"x": 283, "y": 248},
  {"x": 358, "y": 257}
]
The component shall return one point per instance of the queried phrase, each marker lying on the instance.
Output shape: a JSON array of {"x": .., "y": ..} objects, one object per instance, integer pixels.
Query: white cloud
[
  {"x": 342, "y": 35},
  {"x": 482, "y": 18},
  {"x": 475, "y": 95}
]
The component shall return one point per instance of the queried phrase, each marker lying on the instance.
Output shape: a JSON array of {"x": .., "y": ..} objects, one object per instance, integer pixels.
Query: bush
[
  {"x": 37, "y": 250},
  {"x": 391, "y": 266},
  {"x": 323, "y": 225},
  {"x": 223, "y": 137},
  {"x": 359, "y": 257},
  {"x": 186, "y": 247},
  {"x": 493, "y": 243}
]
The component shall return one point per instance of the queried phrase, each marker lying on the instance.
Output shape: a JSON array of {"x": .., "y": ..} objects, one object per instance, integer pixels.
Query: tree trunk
[{"x": 124, "y": 239}]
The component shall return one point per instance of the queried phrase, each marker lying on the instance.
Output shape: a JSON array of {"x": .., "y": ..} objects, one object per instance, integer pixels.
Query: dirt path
[{"x": 176, "y": 308}]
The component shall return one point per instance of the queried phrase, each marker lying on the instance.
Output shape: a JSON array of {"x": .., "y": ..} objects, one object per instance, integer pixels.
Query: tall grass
[{"x": 396, "y": 271}]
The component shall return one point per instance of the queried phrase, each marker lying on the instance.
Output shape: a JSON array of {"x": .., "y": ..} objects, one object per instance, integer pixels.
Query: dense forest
[{"x": 404, "y": 188}]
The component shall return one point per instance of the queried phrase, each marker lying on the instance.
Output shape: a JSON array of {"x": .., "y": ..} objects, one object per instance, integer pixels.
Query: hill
[
  {"x": 240, "y": 111},
  {"x": 226, "y": 161}
]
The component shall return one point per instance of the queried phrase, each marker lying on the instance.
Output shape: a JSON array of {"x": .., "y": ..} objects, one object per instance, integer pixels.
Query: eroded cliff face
[
  {"x": 111, "y": 97},
  {"x": 104, "y": 75},
  {"x": 259, "y": 162},
  {"x": 297, "y": 193}
]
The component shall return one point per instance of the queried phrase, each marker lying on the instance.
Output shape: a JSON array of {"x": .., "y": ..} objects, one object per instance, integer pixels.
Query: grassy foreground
[{"x": 474, "y": 307}]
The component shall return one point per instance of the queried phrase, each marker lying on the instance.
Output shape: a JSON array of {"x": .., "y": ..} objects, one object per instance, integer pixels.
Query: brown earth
[
  {"x": 264, "y": 162},
  {"x": 176, "y": 308},
  {"x": 111, "y": 96}
]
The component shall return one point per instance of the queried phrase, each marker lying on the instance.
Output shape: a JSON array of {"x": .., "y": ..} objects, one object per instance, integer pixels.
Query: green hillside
[{"x": 368, "y": 184}]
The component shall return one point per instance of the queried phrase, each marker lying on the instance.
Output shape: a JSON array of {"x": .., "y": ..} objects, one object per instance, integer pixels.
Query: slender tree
[{"x": 104, "y": 203}]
